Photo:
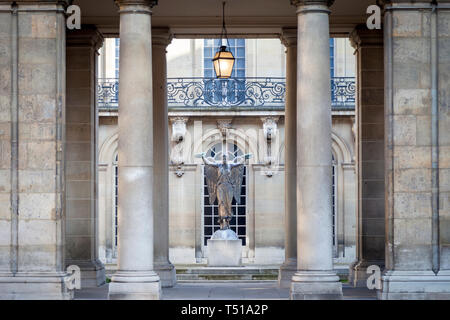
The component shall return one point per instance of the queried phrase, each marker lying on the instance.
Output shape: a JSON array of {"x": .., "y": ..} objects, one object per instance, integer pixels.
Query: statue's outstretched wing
[
  {"x": 237, "y": 174},
  {"x": 212, "y": 177}
]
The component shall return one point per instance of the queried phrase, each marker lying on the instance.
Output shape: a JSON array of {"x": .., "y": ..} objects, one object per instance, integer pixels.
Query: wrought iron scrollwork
[
  {"x": 242, "y": 92},
  {"x": 108, "y": 93},
  {"x": 226, "y": 93},
  {"x": 343, "y": 90}
]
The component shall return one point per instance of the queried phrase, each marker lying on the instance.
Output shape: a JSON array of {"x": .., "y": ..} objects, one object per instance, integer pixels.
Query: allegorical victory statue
[{"x": 224, "y": 180}]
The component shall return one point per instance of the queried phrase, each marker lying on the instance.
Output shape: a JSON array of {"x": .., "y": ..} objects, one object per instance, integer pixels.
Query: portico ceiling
[{"x": 244, "y": 18}]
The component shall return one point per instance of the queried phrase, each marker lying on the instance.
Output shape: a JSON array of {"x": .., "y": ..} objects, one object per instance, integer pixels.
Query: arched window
[
  {"x": 211, "y": 212},
  {"x": 115, "y": 208}
]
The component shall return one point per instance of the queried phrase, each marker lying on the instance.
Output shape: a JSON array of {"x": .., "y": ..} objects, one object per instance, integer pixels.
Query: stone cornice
[
  {"x": 361, "y": 36},
  {"x": 88, "y": 36},
  {"x": 413, "y": 3},
  {"x": 148, "y": 3},
  {"x": 288, "y": 37},
  {"x": 161, "y": 36},
  {"x": 312, "y": 2},
  {"x": 64, "y": 3}
]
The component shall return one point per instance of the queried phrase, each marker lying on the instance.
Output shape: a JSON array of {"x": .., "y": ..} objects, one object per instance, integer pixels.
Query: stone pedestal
[
  {"x": 224, "y": 249},
  {"x": 35, "y": 286},
  {"x": 224, "y": 253},
  {"x": 415, "y": 285},
  {"x": 316, "y": 285}
]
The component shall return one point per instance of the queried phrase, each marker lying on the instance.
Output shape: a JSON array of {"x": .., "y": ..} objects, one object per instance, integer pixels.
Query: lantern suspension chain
[{"x": 224, "y": 33}]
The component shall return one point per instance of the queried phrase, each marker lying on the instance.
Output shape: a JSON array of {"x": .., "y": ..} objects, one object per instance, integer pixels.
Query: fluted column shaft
[
  {"x": 315, "y": 278},
  {"x": 135, "y": 278}
]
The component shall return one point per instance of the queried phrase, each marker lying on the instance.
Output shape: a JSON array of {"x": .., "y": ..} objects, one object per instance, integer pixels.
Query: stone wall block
[
  {"x": 412, "y": 257},
  {"x": 412, "y": 180},
  {"x": 412, "y": 205},
  {"x": 405, "y": 24},
  {"x": 405, "y": 130},
  {"x": 412, "y": 101},
  {"x": 37, "y": 206},
  {"x": 37, "y": 108},
  {"x": 37, "y": 51}
]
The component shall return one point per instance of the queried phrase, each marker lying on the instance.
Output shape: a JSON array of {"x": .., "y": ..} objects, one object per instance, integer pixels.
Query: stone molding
[
  {"x": 361, "y": 36},
  {"x": 328, "y": 3},
  {"x": 148, "y": 3},
  {"x": 88, "y": 36},
  {"x": 224, "y": 125},
  {"x": 288, "y": 37},
  {"x": 64, "y": 3},
  {"x": 161, "y": 37},
  {"x": 409, "y": 4}
]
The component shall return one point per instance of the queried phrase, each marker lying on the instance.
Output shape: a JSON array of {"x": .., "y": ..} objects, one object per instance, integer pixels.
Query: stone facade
[
  {"x": 416, "y": 120},
  {"x": 32, "y": 109}
]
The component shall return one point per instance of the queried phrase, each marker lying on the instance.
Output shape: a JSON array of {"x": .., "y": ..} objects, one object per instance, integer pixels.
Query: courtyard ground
[{"x": 226, "y": 290}]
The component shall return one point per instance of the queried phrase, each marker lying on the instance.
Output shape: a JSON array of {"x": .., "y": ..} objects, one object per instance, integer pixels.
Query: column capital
[
  {"x": 297, "y": 3},
  {"x": 136, "y": 6},
  {"x": 288, "y": 37},
  {"x": 161, "y": 37},
  {"x": 87, "y": 36},
  {"x": 149, "y": 3},
  {"x": 361, "y": 36}
]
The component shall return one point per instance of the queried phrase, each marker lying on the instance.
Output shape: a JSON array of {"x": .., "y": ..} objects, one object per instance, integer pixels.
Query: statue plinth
[{"x": 224, "y": 249}]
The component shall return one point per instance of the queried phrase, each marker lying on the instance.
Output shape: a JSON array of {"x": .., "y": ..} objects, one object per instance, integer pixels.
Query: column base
[
  {"x": 35, "y": 286},
  {"x": 92, "y": 273},
  {"x": 415, "y": 285},
  {"x": 287, "y": 271},
  {"x": 135, "y": 285},
  {"x": 358, "y": 272},
  {"x": 316, "y": 285},
  {"x": 167, "y": 274}
]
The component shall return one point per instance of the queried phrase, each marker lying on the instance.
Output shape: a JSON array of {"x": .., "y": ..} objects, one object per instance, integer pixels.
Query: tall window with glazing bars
[{"x": 237, "y": 47}]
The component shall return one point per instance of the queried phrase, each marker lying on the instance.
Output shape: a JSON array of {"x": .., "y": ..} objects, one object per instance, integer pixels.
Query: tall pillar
[
  {"x": 81, "y": 155},
  {"x": 289, "y": 267},
  {"x": 135, "y": 278},
  {"x": 315, "y": 278},
  {"x": 32, "y": 150},
  {"x": 417, "y": 137},
  {"x": 370, "y": 156},
  {"x": 166, "y": 271}
]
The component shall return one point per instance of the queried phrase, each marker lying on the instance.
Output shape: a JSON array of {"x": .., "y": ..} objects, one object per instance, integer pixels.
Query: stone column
[
  {"x": 32, "y": 150},
  {"x": 135, "y": 278},
  {"x": 289, "y": 267},
  {"x": 370, "y": 156},
  {"x": 81, "y": 155},
  {"x": 315, "y": 278},
  {"x": 166, "y": 271},
  {"x": 417, "y": 137}
]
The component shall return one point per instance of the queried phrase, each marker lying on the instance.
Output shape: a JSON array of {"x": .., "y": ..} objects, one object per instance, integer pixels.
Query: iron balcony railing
[{"x": 245, "y": 93}]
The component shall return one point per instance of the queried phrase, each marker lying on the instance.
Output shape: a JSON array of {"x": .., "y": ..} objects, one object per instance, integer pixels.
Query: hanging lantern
[
  {"x": 223, "y": 63},
  {"x": 223, "y": 60}
]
